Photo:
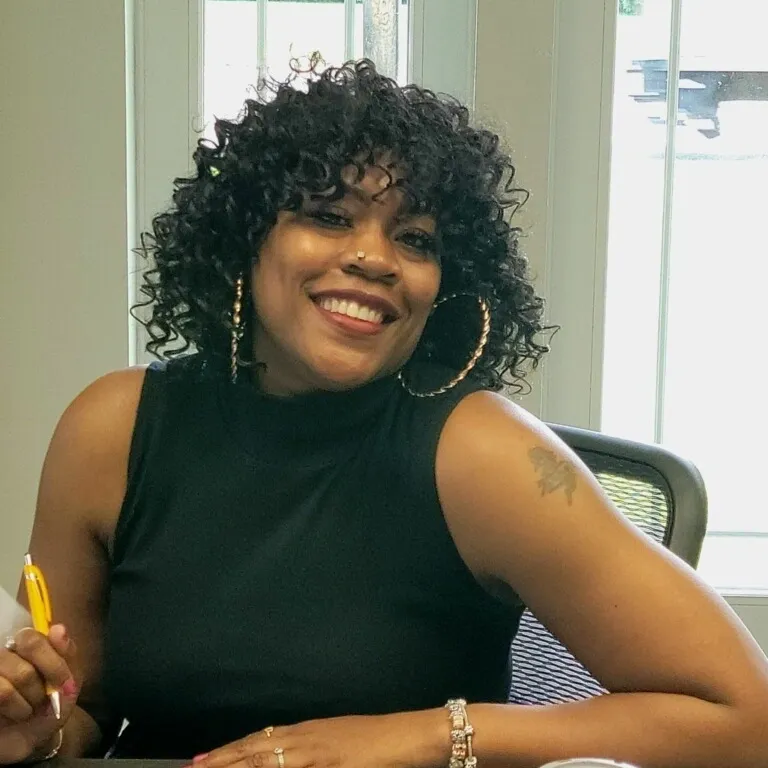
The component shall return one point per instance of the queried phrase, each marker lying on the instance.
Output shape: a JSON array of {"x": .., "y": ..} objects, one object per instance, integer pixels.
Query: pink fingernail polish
[
  {"x": 199, "y": 758},
  {"x": 69, "y": 689}
]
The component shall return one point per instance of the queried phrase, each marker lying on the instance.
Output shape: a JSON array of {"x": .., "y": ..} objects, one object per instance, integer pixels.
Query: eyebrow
[{"x": 402, "y": 214}]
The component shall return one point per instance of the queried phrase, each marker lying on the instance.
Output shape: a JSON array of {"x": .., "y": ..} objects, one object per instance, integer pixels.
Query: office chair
[{"x": 664, "y": 496}]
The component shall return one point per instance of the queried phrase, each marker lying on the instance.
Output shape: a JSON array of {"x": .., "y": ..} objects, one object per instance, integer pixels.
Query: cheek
[
  {"x": 425, "y": 285},
  {"x": 268, "y": 292},
  {"x": 276, "y": 272}
]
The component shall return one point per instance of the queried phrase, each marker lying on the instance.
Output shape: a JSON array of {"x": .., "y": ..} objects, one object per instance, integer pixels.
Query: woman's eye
[
  {"x": 420, "y": 241},
  {"x": 330, "y": 219}
]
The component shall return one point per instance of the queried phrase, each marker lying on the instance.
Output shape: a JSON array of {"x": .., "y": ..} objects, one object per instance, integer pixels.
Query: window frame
[
  {"x": 577, "y": 253},
  {"x": 578, "y": 195}
]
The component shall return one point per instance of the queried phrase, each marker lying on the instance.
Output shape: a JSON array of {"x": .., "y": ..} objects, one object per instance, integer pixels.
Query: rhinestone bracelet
[{"x": 461, "y": 735}]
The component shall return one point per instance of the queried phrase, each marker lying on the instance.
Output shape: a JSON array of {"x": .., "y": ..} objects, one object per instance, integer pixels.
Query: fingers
[
  {"x": 25, "y": 671},
  {"x": 253, "y": 751},
  {"x": 261, "y": 751},
  {"x": 64, "y": 645},
  {"x": 14, "y": 706},
  {"x": 38, "y": 650},
  {"x": 268, "y": 757}
]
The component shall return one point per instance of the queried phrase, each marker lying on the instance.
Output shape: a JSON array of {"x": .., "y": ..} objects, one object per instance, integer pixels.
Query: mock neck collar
[{"x": 270, "y": 425}]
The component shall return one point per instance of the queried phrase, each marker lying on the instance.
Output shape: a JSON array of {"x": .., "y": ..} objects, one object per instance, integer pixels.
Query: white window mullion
[
  {"x": 195, "y": 69},
  {"x": 168, "y": 96},
  {"x": 349, "y": 29},
  {"x": 673, "y": 100},
  {"x": 261, "y": 43}
]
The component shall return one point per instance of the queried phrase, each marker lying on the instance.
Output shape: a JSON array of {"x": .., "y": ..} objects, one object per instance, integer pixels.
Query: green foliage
[{"x": 630, "y": 7}]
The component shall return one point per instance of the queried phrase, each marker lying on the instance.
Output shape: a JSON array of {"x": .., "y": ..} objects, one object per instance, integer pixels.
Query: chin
[
  {"x": 337, "y": 382},
  {"x": 341, "y": 377}
]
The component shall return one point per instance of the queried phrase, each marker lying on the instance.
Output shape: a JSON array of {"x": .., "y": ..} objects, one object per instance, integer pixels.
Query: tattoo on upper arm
[{"x": 553, "y": 472}]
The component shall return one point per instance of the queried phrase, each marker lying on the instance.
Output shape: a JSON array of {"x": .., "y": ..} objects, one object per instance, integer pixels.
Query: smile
[
  {"x": 352, "y": 317},
  {"x": 352, "y": 309}
]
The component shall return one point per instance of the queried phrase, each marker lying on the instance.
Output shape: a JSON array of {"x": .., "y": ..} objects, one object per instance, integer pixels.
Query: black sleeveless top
[{"x": 283, "y": 559}]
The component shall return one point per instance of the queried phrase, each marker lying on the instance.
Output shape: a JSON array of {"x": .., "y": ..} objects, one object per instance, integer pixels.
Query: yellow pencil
[{"x": 40, "y": 608}]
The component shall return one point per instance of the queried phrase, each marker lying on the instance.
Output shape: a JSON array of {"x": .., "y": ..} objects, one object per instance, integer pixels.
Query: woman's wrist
[{"x": 433, "y": 750}]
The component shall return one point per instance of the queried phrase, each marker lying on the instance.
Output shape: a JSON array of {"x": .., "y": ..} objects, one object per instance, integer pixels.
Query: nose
[{"x": 373, "y": 259}]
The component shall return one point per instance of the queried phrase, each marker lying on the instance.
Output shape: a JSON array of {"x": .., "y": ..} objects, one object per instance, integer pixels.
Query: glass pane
[
  {"x": 735, "y": 563},
  {"x": 295, "y": 29},
  {"x": 714, "y": 410},
  {"x": 385, "y": 36},
  {"x": 299, "y": 29},
  {"x": 635, "y": 227},
  {"x": 231, "y": 70}
]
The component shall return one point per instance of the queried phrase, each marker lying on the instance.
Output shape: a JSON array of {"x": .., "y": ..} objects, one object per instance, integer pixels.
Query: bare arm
[
  {"x": 689, "y": 685},
  {"x": 81, "y": 491}
]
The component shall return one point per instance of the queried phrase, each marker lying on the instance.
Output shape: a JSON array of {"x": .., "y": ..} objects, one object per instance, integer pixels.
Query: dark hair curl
[{"x": 297, "y": 143}]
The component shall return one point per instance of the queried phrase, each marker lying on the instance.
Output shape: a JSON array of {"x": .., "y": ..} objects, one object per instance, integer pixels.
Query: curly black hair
[{"x": 297, "y": 143}]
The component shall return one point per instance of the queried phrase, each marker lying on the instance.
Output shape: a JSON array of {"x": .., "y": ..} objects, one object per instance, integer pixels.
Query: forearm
[{"x": 653, "y": 730}]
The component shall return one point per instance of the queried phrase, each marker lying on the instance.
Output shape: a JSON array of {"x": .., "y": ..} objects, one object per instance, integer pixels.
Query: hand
[
  {"x": 28, "y": 726},
  {"x": 381, "y": 741}
]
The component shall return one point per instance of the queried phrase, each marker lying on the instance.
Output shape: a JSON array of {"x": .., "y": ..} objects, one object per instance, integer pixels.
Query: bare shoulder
[
  {"x": 112, "y": 396},
  {"x": 79, "y": 501},
  {"x": 488, "y": 429},
  {"x": 85, "y": 467},
  {"x": 505, "y": 479}
]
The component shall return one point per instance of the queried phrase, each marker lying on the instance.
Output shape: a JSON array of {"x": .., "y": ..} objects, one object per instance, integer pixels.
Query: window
[
  {"x": 687, "y": 259},
  {"x": 655, "y": 269},
  {"x": 247, "y": 40}
]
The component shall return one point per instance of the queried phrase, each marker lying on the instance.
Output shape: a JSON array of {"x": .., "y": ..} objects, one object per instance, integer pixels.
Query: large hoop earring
[
  {"x": 237, "y": 327},
  {"x": 476, "y": 355}
]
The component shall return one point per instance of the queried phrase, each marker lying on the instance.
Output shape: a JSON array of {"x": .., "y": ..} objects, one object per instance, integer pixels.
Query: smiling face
[{"x": 327, "y": 319}]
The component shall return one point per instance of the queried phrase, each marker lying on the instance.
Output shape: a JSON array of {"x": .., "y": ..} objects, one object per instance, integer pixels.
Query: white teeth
[{"x": 352, "y": 309}]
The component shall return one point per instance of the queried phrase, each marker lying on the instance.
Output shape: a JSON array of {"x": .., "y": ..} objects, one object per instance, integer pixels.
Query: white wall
[
  {"x": 62, "y": 230},
  {"x": 515, "y": 80}
]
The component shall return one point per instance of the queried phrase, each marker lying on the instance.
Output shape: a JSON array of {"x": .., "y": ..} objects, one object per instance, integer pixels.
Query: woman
[{"x": 293, "y": 546}]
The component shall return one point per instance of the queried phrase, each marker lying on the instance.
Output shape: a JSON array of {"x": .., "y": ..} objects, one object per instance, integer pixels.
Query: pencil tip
[{"x": 56, "y": 704}]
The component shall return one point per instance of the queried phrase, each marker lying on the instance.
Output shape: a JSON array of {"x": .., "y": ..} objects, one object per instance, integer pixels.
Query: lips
[
  {"x": 376, "y": 304},
  {"x": 351, "y": 309}
]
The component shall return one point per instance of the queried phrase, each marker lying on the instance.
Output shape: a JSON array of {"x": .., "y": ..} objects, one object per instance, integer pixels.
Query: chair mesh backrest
[{"x": 543, "y": 670}]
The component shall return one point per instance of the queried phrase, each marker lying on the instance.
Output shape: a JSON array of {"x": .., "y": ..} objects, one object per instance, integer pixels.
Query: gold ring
[
  {"x": 268, "y": 731},
  {"x": 280, "y": 759}
]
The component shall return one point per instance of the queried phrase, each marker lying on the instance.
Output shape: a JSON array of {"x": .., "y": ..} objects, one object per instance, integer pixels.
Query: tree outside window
[{"x": 630, "y": 7}]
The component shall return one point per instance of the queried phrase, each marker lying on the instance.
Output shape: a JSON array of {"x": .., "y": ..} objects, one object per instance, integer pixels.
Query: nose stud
[{"x": 360, "y": 255}]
